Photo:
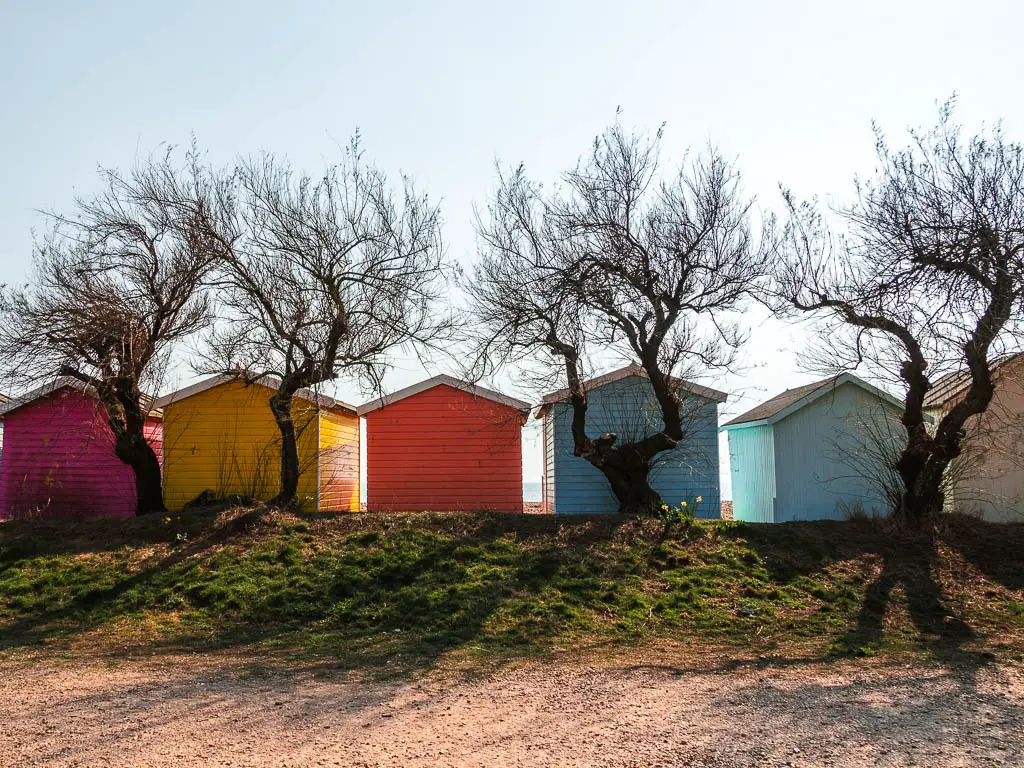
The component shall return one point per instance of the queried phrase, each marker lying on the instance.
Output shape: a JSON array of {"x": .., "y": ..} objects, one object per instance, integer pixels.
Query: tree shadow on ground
[
  {"x": 909, "y": 569},
  {"x": 391, "y": 592},
  {"x": 995, "y": 549},
  {"x": 893, "y": 715},
  {"x": 378, "y": 601},
  {"x": 103, "y": 536}
]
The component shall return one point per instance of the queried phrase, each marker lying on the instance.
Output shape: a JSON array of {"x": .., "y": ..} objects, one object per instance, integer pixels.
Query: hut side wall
[
  {"x": 59, "y": 460},
  {"x": 226, "y": 440},
  {"x": 444, "y": 449},
  {"x": 548, "y": 489},
  {"x": 752, "y": 469},
  {"x": 339, "y": 461},
  {"x": 990, "y": 478},
  {"x": 817, "y": 464},
  {"x": 627, "y": 407}
]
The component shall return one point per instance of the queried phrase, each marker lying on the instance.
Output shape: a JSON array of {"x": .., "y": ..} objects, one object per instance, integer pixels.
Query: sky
[{"x": 443, "y": 90}]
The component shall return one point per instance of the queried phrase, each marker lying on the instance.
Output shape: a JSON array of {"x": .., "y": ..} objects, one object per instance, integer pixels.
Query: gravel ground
[{"x": 210, "y": 712}]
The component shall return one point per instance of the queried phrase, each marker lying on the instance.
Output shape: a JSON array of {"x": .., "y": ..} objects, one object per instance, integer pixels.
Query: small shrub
[
  {"x": 685, "y": 512},
  {"x": 855, "y": 511}
]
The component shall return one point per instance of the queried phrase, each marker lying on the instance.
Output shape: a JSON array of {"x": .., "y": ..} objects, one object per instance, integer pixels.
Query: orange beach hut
[{"x": 444, "y": 444}]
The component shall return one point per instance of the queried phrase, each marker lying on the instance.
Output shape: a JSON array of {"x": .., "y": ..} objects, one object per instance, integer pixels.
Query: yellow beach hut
[{"x": 220, "y": 436}]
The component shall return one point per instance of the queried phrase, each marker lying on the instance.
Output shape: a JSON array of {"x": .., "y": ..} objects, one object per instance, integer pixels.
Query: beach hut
[
  {"x": 623, "y": 402},
  {"x": 987, "y": 480},
  {"x": 220, "y": 436},
  {"x": 3, "y": 400},
  {"x": 58, "y": 458},
  {"x": 814, "y": 452},
  {"x": 444, "y": 444}
]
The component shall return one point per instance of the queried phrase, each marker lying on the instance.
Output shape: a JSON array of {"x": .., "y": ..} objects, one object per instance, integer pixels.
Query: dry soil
[{"x": 202, "y": 711}]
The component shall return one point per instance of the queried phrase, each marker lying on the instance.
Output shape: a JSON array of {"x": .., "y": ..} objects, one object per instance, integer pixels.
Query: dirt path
[{"x": 138, "y": 714}]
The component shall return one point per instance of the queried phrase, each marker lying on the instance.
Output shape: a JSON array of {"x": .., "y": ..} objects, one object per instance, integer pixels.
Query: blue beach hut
[
  {"x": 814, "y": 453},
  {"x": 623, "y": 402}
]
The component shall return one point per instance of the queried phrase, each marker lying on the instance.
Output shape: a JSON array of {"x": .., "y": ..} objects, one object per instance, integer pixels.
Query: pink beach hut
[{"x": 58, "y": 456}]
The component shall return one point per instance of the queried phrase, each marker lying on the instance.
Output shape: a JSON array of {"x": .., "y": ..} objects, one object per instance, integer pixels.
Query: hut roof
[
  {"x": 271, "y": 382},
  {"x": 465, "y": 386},
  {"x": 780, "y": 406},
  {"x": 7, "y": 405},
  {"x": 632, "y": 369},
  {"x": 953, "y": 385}
]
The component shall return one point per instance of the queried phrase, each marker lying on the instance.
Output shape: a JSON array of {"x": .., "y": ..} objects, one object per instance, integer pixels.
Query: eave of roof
[
  {"x": 8, "y": 405},
  {"x": 632, "y": 369},
  {"x": 477, "y": 391},
  {"x": 271, "y": 382},
  {"x": 951, "y": 386}
]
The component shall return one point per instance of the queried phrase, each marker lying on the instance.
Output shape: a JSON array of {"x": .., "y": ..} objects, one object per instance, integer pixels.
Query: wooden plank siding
[
  {"x": 817, "y": 476},
  {"x": 444, "y": 449},
  {"x": 225, "y": 440},
  {"x": 752, "y": 469},
  {"x": 59, "y": 460},
  {"x": 339, "y": 461},
  {"x": 548, "y": 490},
  {"x": 627, "y": 407},
  {"x": 988, "y": 480}
]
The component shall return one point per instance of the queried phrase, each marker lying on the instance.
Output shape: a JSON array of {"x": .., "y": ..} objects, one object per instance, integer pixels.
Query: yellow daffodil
[
  {"x": 700, "y": 499},
  {"x": 683, "y": 504}
]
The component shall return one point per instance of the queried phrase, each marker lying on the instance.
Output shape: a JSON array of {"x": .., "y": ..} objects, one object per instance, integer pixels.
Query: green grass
[{"x": 376, "y": 590}]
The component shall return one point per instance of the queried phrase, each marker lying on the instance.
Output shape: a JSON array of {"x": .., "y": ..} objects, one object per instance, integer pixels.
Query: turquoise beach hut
[
  {"x": 623, "y": 402},
  {"x": 814, "y": 452}
]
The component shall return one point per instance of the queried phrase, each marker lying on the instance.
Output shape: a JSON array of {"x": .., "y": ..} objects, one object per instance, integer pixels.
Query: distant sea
[{"x": 531, "y": 492}]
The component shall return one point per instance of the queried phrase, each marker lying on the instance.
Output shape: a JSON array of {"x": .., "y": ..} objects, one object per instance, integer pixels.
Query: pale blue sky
[{"x": 441, "y": 89}]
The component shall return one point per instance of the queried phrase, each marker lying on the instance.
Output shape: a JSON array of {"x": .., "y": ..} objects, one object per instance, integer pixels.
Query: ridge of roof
[
  {"x": 633, "y": 369},
  {"x": 271, "y": 382},
  {"x": 443, "y": 379},
  {"x": 784, "y": 403}
]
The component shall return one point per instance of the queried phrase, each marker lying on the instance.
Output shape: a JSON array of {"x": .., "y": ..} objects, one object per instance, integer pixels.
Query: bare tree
[
  {"x": 616, "y": 261},
  {"x": 114, "y": 286},
  {"x": 927, "y": 279},
  {"x": 324, "y": 275}
]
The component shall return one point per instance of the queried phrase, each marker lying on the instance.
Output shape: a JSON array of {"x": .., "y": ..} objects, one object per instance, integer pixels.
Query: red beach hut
[
  {"x": 444, "y": 444},
  {"x": 58, "y": 456}
]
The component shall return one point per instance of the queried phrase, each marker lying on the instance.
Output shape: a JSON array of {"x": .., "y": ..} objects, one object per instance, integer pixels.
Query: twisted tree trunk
[{"x": 281, "y": 407}]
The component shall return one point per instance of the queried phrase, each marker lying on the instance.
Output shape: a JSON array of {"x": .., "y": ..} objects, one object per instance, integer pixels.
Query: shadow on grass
[
  {"x": 995, "y": 549},
  {"x": 380, "y": 592},
  {"x": 909, "y": 569},
  {"x": 398, "y": 592}
]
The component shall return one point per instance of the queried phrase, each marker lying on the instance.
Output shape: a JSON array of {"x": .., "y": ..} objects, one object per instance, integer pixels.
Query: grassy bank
[{"x": 370, "y": 590}]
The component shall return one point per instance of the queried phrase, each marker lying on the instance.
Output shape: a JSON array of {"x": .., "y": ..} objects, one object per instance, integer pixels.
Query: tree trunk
[
  {"x": 631, "y": 487},
  {"x": 922, "y": 468},
  {"x": 131, "y": 448},
  {"x": 136, "y": 452},
  {"x": 281, "y": 406},
  {"x": 127, "y": 420}
]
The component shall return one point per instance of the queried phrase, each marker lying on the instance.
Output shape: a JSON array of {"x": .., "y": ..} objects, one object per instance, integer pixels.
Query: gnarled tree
[
  {"x": 617, "y": 262},
  {"x": 114, "y": 286},
  {"x": 324, "y": 275},
  {"x": 926, "y": 280}
]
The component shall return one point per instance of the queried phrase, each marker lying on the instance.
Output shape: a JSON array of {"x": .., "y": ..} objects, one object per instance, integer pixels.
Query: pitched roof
[
  {"x": 12, "y": 404},
  {"x": 271, "y": 382},
  {"x": 780, "y": 406},
  {"x": 952, "y": 385},
  {"x": 630, "y": 370},
  {"x": 451, "y": 381}
]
